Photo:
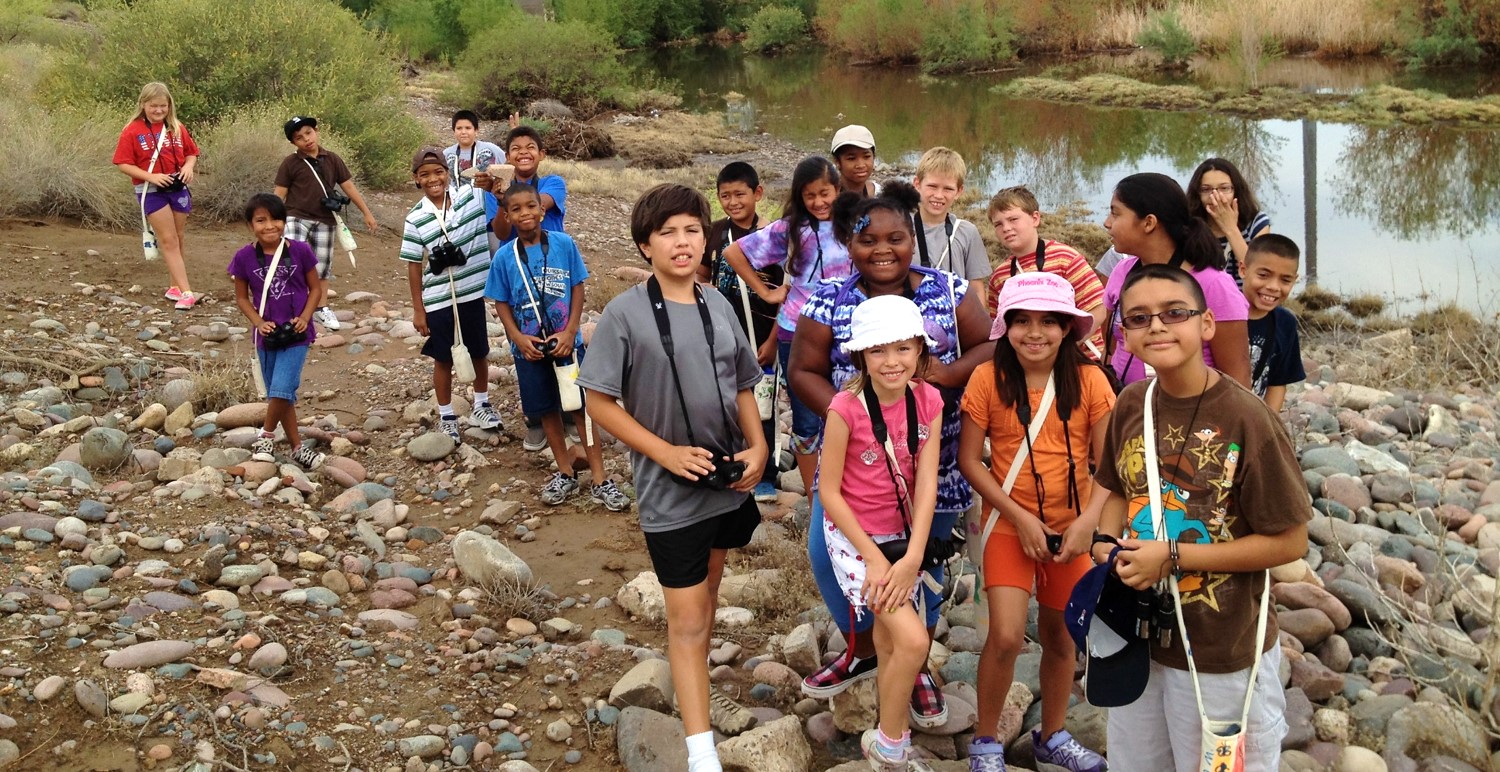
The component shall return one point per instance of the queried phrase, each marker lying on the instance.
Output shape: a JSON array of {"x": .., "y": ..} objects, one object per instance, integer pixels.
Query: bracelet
[{"x": 1172, "y": 550}]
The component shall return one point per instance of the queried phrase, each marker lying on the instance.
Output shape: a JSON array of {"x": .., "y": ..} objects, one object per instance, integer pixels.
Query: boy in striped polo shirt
[{"x": 448, "y": 228}]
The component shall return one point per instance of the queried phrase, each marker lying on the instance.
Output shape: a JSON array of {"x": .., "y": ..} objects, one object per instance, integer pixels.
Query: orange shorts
[{"x": 1006, "y": 565}]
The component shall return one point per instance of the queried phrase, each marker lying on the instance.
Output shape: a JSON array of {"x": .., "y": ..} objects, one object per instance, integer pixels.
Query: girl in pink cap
[{"x": 1044, "y": 407}]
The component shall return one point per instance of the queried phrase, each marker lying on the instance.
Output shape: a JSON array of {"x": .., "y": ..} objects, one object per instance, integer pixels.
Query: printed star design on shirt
[
  {"x": 1173, "y": 438},
  {"x": 1207, "y": 452}
]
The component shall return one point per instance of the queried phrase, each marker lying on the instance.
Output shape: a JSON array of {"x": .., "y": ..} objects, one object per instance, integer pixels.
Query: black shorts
[
  {"x": 680, "y": 556},
  {"x": 472, "y": 319}
]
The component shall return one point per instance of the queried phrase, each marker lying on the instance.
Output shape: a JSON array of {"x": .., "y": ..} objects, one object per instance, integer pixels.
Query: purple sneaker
[
  {"x": 1064, "y": 751},
  {"x": 986, "y": 754}
]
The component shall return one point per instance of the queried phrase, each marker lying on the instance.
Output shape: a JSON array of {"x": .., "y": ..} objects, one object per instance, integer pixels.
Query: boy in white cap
[{"x": 854, "y": 155}]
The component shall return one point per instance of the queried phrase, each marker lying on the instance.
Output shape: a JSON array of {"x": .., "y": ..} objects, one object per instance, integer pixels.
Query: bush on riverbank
[
  {"x": 959, "y": 35},
  {"x": 202, "y": 49},
  {"x": 581, "y": 68},
  {"x": 774, "y": 27},
  {"x": 437, "y": 30}
]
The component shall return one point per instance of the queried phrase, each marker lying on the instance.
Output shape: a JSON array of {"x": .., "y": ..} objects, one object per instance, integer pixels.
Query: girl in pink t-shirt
[{"x": 878, "y": 484}]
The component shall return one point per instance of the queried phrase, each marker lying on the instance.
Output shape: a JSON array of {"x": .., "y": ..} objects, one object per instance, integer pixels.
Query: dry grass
[
  {"x": 1327, "y": 27},
  {"x": 220, "y": 382},
  {"x": 81, "y": 183},
  {"x": 622, "y": 182},
  {"x": 793, "y": 592},
  {"x": 1364, "y": 306},
  {"x": 672, "y": 139},
  {"x": 1315, "y": 298},
  {"x": 1449, "y": 348},
  {"x": 507, "y": 599}
]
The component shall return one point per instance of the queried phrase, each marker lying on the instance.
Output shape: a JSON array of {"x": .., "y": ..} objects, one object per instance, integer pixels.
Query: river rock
[
  {"x": 240, "y": 576},
  {"x": 1347, "y": 490},
  {"x": 1331, "y": 457},
  {"x": 1355, "y": 396},
  {"x": 91, "y": 698},
  {"x": 104, "y": 448},
  {"x": 648, "y": 741},
  {"x": 1365, "y": 605},
  {"x": 177, "y": 392},
  {"x": 151, "y": 418},
  {"x": 643, "y": 599},
  {"x": 1356, "y": 759},
  {"x": 148, "y": 654},
  {"x": 1309, "y": 625},
  {"x": 427, "y": 746},
  {"x": 430, "y": 446},
  {"x": 268, "y": 657},
  {"x": 388, "y": 619},
  {"x": 647, "y": 685},
  {"x": 482, "y": 559},
  {"x": 243, "y": 414},
  {"x": 779, "y": 746},
  {"x": 800, "y": 649},
  {"x": 1429, "y": 729},
  {"x": 48, "y": 688}
]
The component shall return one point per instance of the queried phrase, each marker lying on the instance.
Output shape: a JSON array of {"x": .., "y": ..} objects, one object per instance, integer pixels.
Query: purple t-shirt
[
  {"x": 822, "y": 257},
  {"x": 1224, "y": 299},
  {"x": 289, "y": 290}
]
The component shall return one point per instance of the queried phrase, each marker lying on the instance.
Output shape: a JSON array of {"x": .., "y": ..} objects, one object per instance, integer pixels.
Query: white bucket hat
[{"x": 884, "y": 319}]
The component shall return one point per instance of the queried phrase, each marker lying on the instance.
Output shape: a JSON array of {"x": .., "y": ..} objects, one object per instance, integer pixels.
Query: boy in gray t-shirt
[{"x": 689, "y": 419}]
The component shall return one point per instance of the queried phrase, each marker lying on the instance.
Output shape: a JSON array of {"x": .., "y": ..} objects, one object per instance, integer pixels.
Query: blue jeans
[
  {"x": 807, "y": 426},
  {"x": 282, "y": 371},
  {"x": 828, "y": 584}
]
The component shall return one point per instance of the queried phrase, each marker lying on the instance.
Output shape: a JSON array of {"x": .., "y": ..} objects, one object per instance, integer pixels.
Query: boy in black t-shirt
[{"x": 1269, "y": 271}]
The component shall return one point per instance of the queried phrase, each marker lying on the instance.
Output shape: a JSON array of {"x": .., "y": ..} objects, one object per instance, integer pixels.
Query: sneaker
[
  {"x": 869, "y": 742},
  {"x": 765, "y": 491},
  {"x": 326, "y": 317},
  {"x": 836, "y": 676},
  {"x": 1064, "y": 751},
  {"x": 485, "y": 417},
  {"x": 928, "y": 708},
  {"x": 173, "y": 294},
  {"x": 263, "y": 449},
  {"x": 558, "y": 489},
  {"x": 449, "y": 426},
  {"x": 536, "y": 439},
  {"x": 610, "y": 495},
  {"x": 308, "y": 458},
  {"x": 986, "y": 756},
  {"x": 187, "y": 301},
  {"x": 728, "y": 716}
]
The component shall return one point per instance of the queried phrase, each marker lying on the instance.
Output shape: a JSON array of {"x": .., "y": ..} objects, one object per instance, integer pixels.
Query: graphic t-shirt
[
  {"x": 481, "y": 154},
  {"x": 867, "y": 485},
  {"x": 548, "y": 275},
  {"x": 1063, "y": 260},
  {"x": 289, "y": 290},
  {"x": 1227, "y": 470},
  {"x": 138, "y": 142},
  {"x": 982, "y": 404},
  {"x": 822, "y": 257},
  {"x": 962, "y": 253},
  {"x": 1275, "y": 351},
  {"x": 304, "y": 194},
  {"x": 626, "y": 361},
  {"x": 720, "y": 235},
  {"x": 1224, "y": 299},
  {"x": 937, "y": 295}
]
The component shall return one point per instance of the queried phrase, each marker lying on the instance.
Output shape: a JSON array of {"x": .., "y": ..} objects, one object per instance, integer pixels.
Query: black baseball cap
[
  {"x": 1102, "y": 616},
  {"x": 296, "y": 124}
]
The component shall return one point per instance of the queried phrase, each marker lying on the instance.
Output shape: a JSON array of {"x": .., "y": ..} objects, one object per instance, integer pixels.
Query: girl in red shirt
[{"x": 161, "y": 184}]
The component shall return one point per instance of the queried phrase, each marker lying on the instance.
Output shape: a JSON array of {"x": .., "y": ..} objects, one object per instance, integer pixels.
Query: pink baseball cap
[{"x": 1040, "y": 291}]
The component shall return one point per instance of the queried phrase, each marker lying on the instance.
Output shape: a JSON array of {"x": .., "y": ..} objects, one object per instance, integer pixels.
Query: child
[
  {"x": 1219, "y": 195},
  {"x": 1270, "y": 269},
  {"x": 878, "y": 486},
  {"x": 523, "y": 146},
  {"x": 469, "y": 152},
  {"x": 854, "y": 154},
  {"x": 644, "y": 393},
  {"x": 158, "y": 153},
  {"x": 1148, "y": 218},
  {"x": 308, "y": 180},
  {"x": 1234, "y": 506},
  {"x": 804, "y": 242},
  {"x": 293, "y": 280},
  {"x": 539, "y": 299},
  {"x": 447, "y": 226},
  {"x": 739, "y": 192},
  {"x": 1016, "y": 215},
  {"x": 1041, "y": 535},
  {"x": 945, "y": 242}
]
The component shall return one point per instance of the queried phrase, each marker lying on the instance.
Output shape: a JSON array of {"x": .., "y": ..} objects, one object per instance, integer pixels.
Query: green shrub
[
  {"x": 79, "y": 184},
  {"x": 638, "y": 23},
  {"x": 964, "y": 36},
  {"x": 878, "y": 30},
  {"x": 1165, "y": 34},
  {"x": 438, "y": 30},
  {"x": 19, "y": 17},
  {"x": 573, "y": 62},
  {"x": 1448, "y": 39},
  {"x": 219, "y": 57},
  {"x": 774, "y": 27}
]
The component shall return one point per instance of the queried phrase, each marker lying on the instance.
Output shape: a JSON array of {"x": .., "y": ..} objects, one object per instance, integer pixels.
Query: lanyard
[
  {"x": 538, "y": 301},
  {"x": 921, "y": 230},
  {"x": 818, "y": 240},
  {"x": 1041, "y": 258},
  {"x": 664, "y": 330}
]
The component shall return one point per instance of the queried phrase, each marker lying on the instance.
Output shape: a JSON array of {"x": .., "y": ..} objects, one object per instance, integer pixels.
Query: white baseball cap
[
  {"x": 855, "y": 135},
  {"x": 884, "y": 319}
]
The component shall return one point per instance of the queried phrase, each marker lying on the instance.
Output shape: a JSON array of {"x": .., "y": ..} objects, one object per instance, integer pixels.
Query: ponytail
[{"x": 1158, "y": 195}]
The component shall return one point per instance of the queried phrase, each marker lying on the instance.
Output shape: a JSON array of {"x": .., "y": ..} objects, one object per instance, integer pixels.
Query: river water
[{"x": 1411, "y": 214}]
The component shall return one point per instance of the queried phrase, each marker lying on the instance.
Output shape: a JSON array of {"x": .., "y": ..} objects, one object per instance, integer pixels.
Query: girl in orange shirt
[{"x": 1035, "y": 533}]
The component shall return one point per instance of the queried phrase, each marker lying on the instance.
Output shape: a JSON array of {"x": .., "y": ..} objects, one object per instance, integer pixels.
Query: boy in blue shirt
[
  {"x": 523, "y": 149},
  {"x": 536, "y": 281},
  {"x": 1269, "y": 271}
]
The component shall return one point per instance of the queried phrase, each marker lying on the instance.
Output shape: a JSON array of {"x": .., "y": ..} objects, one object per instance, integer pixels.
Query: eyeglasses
[
  {"x": 1169, "y": 316},
  {"x": 1227, "y": 190}
]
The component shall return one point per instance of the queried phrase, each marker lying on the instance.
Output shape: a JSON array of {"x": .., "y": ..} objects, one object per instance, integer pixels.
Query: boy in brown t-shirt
[{"x": 1234, "y": 505}]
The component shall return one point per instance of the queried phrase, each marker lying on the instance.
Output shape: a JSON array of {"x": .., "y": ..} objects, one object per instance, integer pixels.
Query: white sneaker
[
  {"x": 485, "y": 417},
  {"x": 326, "y": 317}
]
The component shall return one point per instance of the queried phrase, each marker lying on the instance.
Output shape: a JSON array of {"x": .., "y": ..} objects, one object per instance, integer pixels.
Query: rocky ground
[{"x": 166, "y": 603}]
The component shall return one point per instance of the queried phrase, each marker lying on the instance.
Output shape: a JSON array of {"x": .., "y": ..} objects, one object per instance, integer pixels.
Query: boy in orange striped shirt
[{"x": 1016, "y": 215}]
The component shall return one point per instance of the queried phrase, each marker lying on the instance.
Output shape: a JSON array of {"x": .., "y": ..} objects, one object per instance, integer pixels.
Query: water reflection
[{"x": 1400, "y": 212}]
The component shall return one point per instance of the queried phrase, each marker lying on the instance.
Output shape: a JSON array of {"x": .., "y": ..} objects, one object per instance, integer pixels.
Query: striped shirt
[
  {"x": 465, "y": 225},
  {"x": 1063, "y": 260}
]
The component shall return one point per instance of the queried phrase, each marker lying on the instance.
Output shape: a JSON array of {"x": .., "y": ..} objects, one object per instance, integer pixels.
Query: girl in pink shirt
[{"x": 878, "y": 484}]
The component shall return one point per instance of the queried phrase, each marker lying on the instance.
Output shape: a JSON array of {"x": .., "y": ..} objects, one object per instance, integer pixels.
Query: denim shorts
[
  {"x": 807, "y": 426},
  {"x": 537, "y": 382},
  {"x": 180, "y": 201},
  {"x": 282, "y": 371}
]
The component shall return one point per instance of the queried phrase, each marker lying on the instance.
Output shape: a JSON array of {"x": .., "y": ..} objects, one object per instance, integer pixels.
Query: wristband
[{"x": 1172, "y": 551}]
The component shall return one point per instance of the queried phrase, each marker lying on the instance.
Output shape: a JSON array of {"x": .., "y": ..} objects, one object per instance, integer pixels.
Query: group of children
[{"x": 1094, "y": 390}]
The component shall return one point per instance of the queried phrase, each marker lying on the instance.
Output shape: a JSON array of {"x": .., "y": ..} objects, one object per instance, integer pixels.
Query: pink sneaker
[
  {"x": 174, "y": 294},
  {"x": 187, "y": 301}
]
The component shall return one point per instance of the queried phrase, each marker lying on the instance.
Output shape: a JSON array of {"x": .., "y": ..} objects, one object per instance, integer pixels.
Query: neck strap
[
  {"x": 664, "y": 330},
  {"x": 883, "y": 436},
  {"x": 1041, "y": 258},
  {"x": 538, "y": 295},
  {"x": 921, "y": 229}
]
